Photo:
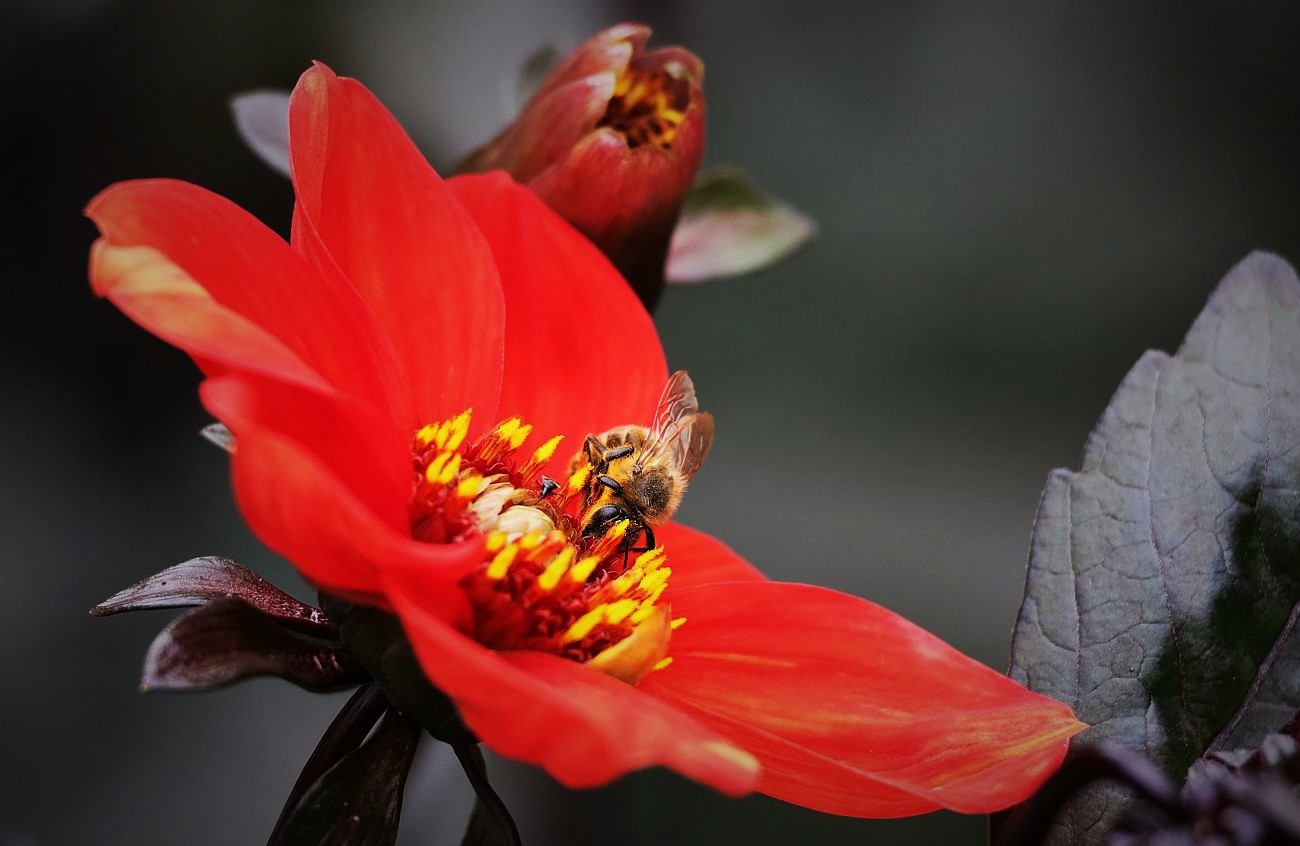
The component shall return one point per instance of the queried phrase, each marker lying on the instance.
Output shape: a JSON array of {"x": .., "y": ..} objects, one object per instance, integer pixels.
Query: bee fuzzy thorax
[
  {"x": 640, "y": 473},
  {"x": 543, "y": 583}
]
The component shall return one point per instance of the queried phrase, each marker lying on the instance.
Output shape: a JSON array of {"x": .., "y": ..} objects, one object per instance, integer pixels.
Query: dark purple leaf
[
  {"x": 227, "y": 641},
  {"x": 342, "y": 738},
  {"x": 1113, "y": 765},
  {"x": 1164, "y": 573},
  {"x": 202, "y": 580},
  {"x": 358, "y": 801},
  {"x": 490, "y": 823},
  {"x": 375, "y": 640}
]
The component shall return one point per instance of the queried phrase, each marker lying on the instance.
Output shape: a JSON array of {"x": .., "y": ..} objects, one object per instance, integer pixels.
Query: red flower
[
  {"x": 402, "y": 301},
  {"x": 611, "y": 140}
]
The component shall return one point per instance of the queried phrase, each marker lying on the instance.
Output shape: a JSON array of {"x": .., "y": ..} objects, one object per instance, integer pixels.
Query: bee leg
[
  {"x": 595, "y": 451},
  {"x": 548, "y": 487},
  {"x": 649, "y": 535},
  {"x": 618, "y": 452},
  {"x": 610, "y": 483}
]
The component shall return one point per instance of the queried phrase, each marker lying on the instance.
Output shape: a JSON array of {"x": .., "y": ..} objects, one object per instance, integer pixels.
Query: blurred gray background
[{"x": 1015, "y": 202}]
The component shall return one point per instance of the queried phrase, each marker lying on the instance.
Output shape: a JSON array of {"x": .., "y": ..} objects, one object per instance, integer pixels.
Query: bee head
[{"x": 601, "y": 519}]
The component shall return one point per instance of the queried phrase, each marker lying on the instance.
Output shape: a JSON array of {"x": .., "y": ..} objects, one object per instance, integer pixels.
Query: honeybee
[{"x": 638, "y": 474}]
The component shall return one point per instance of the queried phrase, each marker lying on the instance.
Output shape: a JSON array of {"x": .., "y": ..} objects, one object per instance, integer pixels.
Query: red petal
[
  {"x": 249, "y": 298},
  {"x": 547, "y": 128},
  {"x": 584, "y": 727},
  {"x": 608, "y": 50},
  {"x": 326, "y": 483},
  {"x": 151, "y": 290},
  {"x": 390, "y": 224},
  {"x": 853, "y": 710},
  {"x": 582, "y": 355},
  {"x": 699, "y": 559}
]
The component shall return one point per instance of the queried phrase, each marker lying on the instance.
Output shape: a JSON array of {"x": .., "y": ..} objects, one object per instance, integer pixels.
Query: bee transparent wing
[
  {"x": 676, "y": 403},
  {"x": 698, "y": 444},
  {"x": 679, "y": 433}
]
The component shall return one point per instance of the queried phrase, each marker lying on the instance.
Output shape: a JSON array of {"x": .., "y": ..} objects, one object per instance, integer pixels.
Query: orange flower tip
[
  {"x": 638, "y": 654},
  {"x": 139, "y": 271},
  {"x": 737, "y": 759}
]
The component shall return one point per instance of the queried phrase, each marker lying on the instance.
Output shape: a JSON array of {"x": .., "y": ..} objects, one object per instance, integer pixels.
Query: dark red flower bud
[{"x": 612, "y": 140}]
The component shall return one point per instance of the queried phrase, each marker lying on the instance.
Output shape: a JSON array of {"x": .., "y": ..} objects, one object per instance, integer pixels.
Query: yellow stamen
[
  {"x": 578, "y": 479},
  {"x": 584, "y": 624},
  {"x": 501, "y": 562},
  {"x": 651, "y": 559},
  {"x": 531, "y": 540},
  {"x": 470, "y": 486},
  {"x": 654, "y": 583},
  {"x": 624, "y": 583},
  {"x": 662, "y": 662},
  {"x": 545, "y": 452},
  {"x": 519, "y": 435},
  {"x": 678, "y": 623},
  {"x": 449, "y": 472},
  {"x": 432, "y": 472},
  {"x": 495, "y": 541},
  {"x": 643, "y": 612},
  {"x": 425, "y": 436},
  {"x": 617, "y": 612},
  {"x": 457, "y": 429},
  {"x": 584, "y": 568},
  {"x": 550, "y": 577},
  {"x": 506, "y": 428}
]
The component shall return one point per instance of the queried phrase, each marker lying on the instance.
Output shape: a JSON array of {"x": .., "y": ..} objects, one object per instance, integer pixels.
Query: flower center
[
  {"x": 648, "y": 106},
  {"x": 541, "y": 585}
]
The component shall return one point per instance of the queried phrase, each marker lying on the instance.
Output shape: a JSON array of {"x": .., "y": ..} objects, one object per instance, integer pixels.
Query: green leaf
[
  {"x": 358, "y": 801},
  {"x": 1164, "y": 574},
  {"x": 730, "y": 227},
  {"x": 228, "y": 641},
  {"x": 532, "y": 72}
]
